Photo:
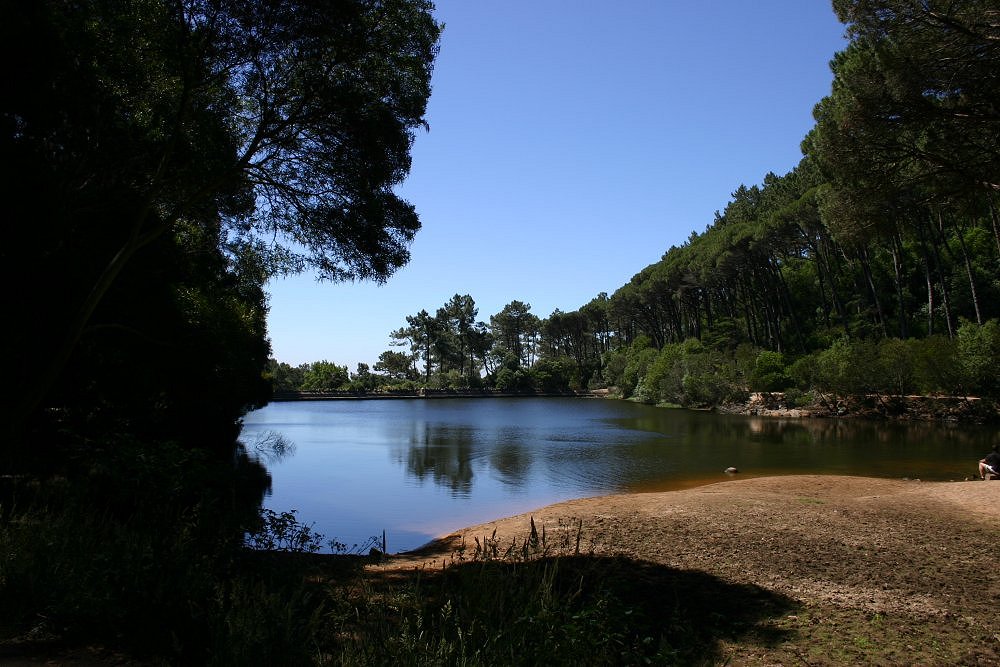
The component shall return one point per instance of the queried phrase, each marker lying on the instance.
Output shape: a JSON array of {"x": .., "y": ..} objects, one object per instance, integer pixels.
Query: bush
[
  {"x": 936, "y": 367},
  {"x": 849, "y": 368},
  {"x": 708, "y": 376},
  {"x": 768, "y": 372},
  {"x": 513, "y": 380},
  {"x": 326, "y": 376},
  {"x": 555, "y": 375},
  {"x": 664, "y": 378},
  {"x": 896, "y": 361},
  {"x": 614, "y": 368},
  {"x": 804, "y": 371},
  {"x": 639, "y": 360},
  {"x": 796, "y": 398},
  {"x": 979, "y": 354}
]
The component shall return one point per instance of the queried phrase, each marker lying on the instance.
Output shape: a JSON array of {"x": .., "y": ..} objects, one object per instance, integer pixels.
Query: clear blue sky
[{"x": 571, "y": 143}]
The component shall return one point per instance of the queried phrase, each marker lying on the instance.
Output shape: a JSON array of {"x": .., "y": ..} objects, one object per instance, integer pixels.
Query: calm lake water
[{"x": 421, "y": 468}]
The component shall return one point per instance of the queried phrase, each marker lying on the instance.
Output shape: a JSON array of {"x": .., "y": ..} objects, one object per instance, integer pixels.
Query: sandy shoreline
[
  {"x": 739, "y": 505},
  {"x": 845, "y": 549}
]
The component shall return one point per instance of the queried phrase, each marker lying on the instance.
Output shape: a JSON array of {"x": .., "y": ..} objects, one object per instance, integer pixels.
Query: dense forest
[
  {"x": 165, "y": 158},
  {"x": 870, "y": 268},
  {"x": 168, "y": 157}
]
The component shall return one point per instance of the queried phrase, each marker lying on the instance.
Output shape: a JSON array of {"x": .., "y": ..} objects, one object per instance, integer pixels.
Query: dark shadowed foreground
[{"x": 804, "y": 570}]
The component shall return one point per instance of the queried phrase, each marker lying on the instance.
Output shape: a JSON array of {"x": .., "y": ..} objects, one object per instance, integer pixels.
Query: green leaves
[{"x": 325, "y": 376}]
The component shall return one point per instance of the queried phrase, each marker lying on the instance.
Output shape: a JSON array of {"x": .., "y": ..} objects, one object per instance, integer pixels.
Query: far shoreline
[
  {"x": 290, "y": 396},
  {"x": 969, "y": 409}
]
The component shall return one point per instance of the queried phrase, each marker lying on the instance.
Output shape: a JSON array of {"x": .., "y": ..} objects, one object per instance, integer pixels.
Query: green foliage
[
  {"x": 896, "y": 362},
  {"x": 664, "y": 377},
  {"x": 705, "y": 382},
  {"x": 936, "y": 365},
  {"x": 325, "y": 376},
  {"x": 455, "y": 381},
  {"x": 804, "y": 371},
  {"x": 848, "y": 368},
  {"x": 515, "y": 332},
  {"x": 797, "y": 398},
  {"x": 978, "y": 352},
  {"x": 555, "y": 375},
  {"x": 638, "y": 362},
  {"x": 769, "y": 372},
  {"x": 285, "y": 377},
  {"x": 363, "y": 380},
  {"x": 685, "y": 373},
  {"x": 614, "y": 367},
  {"x": 513, "y": 380}
]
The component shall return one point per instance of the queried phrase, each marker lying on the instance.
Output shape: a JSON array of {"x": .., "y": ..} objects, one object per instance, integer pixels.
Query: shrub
[
  {"x": 555, "y": 375},
  {"x": 936, "y": 367},
  {"x": 768, "y": 372},
  {"x": 979, "y": 353},
  {"x": 639, "y": 360},
  {"x": 849, "y": 368},
  {"x": 896, "y": 361}
]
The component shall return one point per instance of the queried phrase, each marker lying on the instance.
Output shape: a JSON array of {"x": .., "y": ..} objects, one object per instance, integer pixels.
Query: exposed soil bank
[
  {"x": 882, "y": 571},
  {"x": 907, "y": 408}
]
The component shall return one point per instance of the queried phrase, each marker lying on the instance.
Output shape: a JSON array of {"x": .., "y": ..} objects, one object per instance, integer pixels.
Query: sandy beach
[{"x": 905, "y": 563}]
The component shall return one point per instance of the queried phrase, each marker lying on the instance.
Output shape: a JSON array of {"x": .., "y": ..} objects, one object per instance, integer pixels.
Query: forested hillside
[{"x": 871, "y": 267}]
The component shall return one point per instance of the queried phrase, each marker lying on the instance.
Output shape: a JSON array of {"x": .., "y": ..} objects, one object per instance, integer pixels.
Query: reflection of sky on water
[{"x": 419, "y": 468}]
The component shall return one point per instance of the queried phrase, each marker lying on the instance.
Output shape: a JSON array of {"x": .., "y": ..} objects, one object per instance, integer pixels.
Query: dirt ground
[{"x": 876, "y": 571}]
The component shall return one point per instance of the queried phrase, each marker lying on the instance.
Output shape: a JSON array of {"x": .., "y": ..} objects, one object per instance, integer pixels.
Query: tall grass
[{"x": 537, "y": 601}]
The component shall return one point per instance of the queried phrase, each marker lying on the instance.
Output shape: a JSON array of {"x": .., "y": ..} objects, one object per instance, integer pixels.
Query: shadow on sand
[{"x": 595, "y": 609}]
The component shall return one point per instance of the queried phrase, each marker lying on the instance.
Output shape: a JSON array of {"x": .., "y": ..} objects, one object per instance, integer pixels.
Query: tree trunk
[
  {"x": 968, "y": 272},
  {"x": 930, "y": 298},
  {"x": 897, "y": 270},
  {"x": 867, "y": 269},
  {"x": 996, "y": 223},
  {"x": 939, "y": 266}
]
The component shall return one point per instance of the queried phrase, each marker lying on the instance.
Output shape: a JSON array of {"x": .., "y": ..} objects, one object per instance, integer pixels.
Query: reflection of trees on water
[
  {"x": 837, "y": 431},
  {"x": 443, "y": 454},
  {"x": 664, "y": 445},
  {"x": 686, "y": 444},
  {"x": 270, "y": 447},
  {"x": 809, "y": 431},
  {"x": 510, "y": 458}
]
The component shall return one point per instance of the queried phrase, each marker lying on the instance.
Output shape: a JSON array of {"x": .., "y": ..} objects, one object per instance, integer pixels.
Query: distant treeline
[{"x": 871, "y": 267}]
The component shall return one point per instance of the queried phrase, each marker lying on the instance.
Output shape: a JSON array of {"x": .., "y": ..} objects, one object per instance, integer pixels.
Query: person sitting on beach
[{"x": 990, "y": 464}]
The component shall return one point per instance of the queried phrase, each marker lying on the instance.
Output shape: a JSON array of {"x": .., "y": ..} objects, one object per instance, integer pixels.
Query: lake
[{"x": 419, "y": 468}]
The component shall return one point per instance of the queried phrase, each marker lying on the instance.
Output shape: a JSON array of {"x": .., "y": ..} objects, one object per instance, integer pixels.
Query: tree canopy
[
  {"x": 166, "y": 157},
  {"x": 271, "y": 133}
]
